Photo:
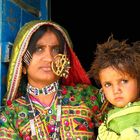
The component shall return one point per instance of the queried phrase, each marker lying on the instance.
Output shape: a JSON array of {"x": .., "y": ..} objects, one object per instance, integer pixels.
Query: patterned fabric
[
  {"x": 80, "y": 106},
  {"x": 122, "y": 124}
]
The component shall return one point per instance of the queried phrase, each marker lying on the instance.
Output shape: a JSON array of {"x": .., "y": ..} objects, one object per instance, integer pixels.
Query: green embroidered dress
[{"x": 78, "y": 104}]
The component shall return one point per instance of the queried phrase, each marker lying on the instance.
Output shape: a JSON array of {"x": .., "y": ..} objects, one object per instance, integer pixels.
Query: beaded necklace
[
  {"x": 46, "y": 90},
  {"x": 33, "y": 121}
]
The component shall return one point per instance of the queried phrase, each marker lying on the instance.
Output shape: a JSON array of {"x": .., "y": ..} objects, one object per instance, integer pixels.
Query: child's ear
[
  {"x": 101, "y": 90},
  {"x": 24, "y": 70},
  {"x": 102, "y": 95}
]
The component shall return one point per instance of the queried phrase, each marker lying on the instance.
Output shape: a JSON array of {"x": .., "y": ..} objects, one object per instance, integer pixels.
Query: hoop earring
[
  {"x": 61, "y": 65},
  {"x": 102, "y": 95},
  {"x": 24, "y": 71}
]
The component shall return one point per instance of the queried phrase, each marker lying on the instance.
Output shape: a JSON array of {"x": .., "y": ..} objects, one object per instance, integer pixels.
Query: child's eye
[
  {"x": 107, "y": 84},
  {"x": 124, "y": 81}
]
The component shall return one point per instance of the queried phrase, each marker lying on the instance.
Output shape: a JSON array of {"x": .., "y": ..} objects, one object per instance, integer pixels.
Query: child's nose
[{"x": 116, "y": 89}]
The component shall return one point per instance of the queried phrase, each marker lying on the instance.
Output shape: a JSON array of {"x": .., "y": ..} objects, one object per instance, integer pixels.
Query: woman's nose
[{"x": 47, "y": 56}]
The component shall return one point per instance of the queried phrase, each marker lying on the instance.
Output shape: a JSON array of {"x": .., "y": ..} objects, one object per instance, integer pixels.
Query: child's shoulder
[{"x": 129, "y": 106}]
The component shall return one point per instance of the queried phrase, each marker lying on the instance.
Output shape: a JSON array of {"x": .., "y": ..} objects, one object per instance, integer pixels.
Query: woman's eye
[
  {"x": 56, "y": 50},
  {"x": 39, "y": 49}
]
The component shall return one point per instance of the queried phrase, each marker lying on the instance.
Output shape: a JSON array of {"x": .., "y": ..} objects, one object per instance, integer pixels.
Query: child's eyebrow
[{"x": 106, "y": 82}]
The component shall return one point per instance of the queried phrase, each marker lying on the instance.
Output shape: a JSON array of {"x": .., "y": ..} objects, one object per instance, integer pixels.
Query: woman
[{"x": 49, "y": 95}]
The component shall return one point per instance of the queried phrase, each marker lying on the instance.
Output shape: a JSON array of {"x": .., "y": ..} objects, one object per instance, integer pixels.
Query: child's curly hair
[{"x": 119, "y": 55}]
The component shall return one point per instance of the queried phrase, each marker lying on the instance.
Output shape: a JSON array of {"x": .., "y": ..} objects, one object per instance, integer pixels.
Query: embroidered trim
[{"x": 34, "y": 122}]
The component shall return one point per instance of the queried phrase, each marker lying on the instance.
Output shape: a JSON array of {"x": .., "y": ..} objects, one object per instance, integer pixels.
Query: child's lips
[{"x": 118, "y": 98}]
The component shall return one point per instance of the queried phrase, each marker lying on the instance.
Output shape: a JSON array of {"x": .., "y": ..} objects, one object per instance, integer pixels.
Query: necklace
[
  {"x": 56, "y": 135},
  {"x": 34, "y": 122},
  {"x": 46, "y": 90}
]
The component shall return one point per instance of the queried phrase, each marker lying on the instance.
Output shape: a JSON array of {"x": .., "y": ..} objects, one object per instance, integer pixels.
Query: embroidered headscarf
[{"x": 76, "y": 73}]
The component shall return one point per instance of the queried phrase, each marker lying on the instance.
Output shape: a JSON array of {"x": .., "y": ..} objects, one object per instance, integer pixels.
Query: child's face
[{"x": 119, "y": 89}]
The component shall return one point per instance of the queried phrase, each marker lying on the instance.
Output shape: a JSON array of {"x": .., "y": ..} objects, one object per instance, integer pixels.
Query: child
[{"x": 116, "y": 68}]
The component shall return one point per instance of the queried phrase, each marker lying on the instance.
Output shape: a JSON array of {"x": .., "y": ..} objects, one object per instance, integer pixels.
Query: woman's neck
[
  {"x": 45, "y": 99},
  {"x": 44, "y": 95}
]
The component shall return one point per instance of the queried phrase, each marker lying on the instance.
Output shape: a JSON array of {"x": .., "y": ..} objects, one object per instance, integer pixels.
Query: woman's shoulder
[
  {"x": 81, "y": 93},
  {"x": 81, "y": 88},
  {"x": 14, "y": 105}
]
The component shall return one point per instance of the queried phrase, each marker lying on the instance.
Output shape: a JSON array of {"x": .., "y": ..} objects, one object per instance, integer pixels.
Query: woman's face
[{"x": 39, "y": 71}]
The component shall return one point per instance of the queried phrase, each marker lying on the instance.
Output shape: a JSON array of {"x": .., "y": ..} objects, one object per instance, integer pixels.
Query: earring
[
  {"x": 27, "y": 58},
  {"x": 24, "y": 71},
  {"x": 61, "y": 65},
  {"x": 102, "y": 95}
]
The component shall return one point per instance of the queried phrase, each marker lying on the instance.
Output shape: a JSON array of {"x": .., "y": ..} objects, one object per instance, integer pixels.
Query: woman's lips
[{"x": 46, "y": 69}]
